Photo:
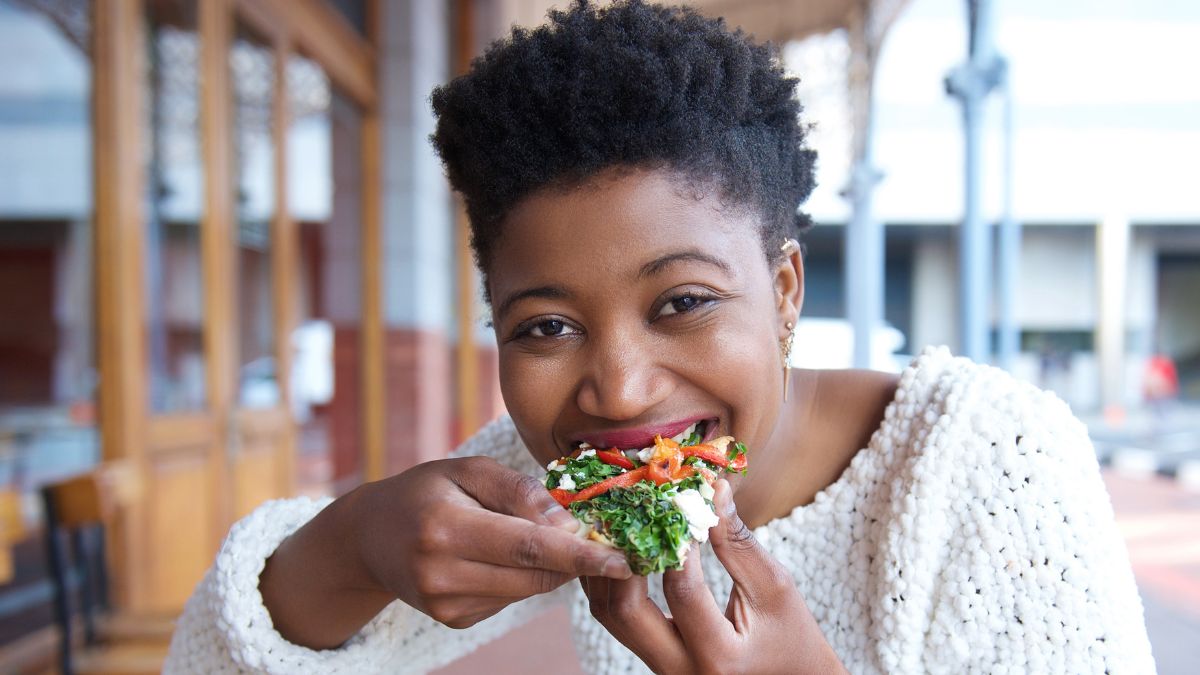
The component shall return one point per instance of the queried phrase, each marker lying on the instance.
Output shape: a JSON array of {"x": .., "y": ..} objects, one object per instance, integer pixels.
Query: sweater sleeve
[
  {"x": 1036, "y": 577},
  {"x": 225, "y": 627}
]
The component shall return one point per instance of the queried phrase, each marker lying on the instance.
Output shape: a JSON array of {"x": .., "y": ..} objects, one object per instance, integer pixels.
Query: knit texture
[{"x": 972, "y": 535}]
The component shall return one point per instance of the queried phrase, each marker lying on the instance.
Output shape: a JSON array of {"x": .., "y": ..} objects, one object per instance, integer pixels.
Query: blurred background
[{"x": 231, "y": 269}]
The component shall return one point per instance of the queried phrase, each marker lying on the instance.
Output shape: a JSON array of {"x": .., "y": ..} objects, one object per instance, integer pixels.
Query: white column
[
  {"x": 1112, "y": 264},
  {"x": 417, "y": 214}
]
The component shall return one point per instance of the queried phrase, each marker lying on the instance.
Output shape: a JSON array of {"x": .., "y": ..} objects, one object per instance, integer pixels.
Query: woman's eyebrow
[
  {"x": 662, "y": 262},
  {"x": 549, "y": 292}
]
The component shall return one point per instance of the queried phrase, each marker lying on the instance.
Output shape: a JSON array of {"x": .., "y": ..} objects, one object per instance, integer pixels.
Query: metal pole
[
  {"x": 1009, "y": 251},
  {"x": 970, "y": 84},
  {"x": 863, "y": 269},
  {"x": 973, "y": 243},
  {"x": 1112, "y": 270},
  {"x": 863, "y": 258}
]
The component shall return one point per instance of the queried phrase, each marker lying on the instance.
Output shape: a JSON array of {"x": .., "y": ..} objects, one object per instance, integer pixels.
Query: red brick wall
[
  {"x": 422, "y": 422},
  {"x": 345, "y": 416},
  {"x": 420, "y": 388}
]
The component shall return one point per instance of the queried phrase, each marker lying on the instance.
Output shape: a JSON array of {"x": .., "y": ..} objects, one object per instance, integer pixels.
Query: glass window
[
  {"x": 174, "y": 206},
  {"x": 47, "y": 356},
  {"x": 252, "y": 62},
  {"x": 325, "y": 201}
]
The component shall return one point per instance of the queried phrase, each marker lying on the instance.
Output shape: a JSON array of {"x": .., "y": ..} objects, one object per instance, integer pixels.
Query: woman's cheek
[
  {"x": 743, "y": 369},
  {"x": 534, "y": 392}
]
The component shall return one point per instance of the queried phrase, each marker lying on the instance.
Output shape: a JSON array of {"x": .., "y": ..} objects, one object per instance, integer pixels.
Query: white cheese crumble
[
  {"x": 566, "y": 482},
  {"x": 699, "y": 514},
  {"x": 644, "y": 454},
  {"x": 586, "y": 453},
  {"x": 554, "y": 466},
  {"x": 707, "y": 491}
]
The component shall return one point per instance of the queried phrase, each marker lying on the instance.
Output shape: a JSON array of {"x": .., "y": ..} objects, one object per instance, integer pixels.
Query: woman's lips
[{"x": 639, "y": 437}]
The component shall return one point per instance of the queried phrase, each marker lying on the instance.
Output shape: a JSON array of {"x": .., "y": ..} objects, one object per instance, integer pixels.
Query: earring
[{"x": 785, "y": 349}]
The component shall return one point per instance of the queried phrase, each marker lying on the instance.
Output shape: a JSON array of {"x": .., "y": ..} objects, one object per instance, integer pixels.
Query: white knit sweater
[{"x": 973, "y": 534}]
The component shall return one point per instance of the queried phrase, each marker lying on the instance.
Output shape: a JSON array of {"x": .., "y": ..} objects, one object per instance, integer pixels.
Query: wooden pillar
[
  {"x": 284, "y": 255},
  {"x": 117, "y": 168},
  {"x": 373, "y": 362},
  {"x": 467, "y": 355},
  {"x": 216, "y": 244}
]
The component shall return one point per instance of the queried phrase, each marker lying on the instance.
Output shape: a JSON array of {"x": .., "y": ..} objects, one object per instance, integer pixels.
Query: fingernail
[
  {"x": 615, "y": 567},
  {"x": 558, "y": 517},
  {"x": 726, "y": 498}
]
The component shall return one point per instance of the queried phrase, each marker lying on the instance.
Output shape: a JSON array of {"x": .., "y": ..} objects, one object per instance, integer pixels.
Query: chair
[
  {"x": 12, "y": 531},
  {"x": 75, "y": 515}
]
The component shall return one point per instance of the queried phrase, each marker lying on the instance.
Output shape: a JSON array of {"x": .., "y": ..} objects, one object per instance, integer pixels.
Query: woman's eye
[
  {"x": 681, "y": 304},
  {"x": 549, "y": 328}
]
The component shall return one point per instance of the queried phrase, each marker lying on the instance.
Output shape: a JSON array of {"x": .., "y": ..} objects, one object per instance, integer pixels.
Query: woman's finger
[
  {"x": 693, "y": 607},
  {"x": 512, "y": 542},
  {"x": 759, "y": 577},
  {"x": 500, "y": 489},
  {"x": 625, "y": 609},
  {"x": 468, "y": 578}
]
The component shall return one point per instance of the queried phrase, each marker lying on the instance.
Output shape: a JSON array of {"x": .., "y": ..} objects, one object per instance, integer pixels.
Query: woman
[{"x": 632, "y": 176}]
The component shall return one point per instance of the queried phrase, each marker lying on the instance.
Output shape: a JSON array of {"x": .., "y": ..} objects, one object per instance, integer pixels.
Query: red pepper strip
[
  {"x": 614, "y": 457},
  {"x": 621, "y": 480},
  {"x": 738, "y": 463},
  {"x": 561, "y": 496},
  {"x": 713, "y": 456}
]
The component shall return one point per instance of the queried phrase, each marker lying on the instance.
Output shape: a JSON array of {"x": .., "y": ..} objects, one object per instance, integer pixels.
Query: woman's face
[{"x": 632, "y": 306}]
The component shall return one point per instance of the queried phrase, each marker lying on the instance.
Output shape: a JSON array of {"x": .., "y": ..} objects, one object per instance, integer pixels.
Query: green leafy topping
[
  {"x": 736, "y": 449},
  {"x": 642, "y": 521},
  {"x": 693, "y": 439},
  {"x": 585, "y": 471}
]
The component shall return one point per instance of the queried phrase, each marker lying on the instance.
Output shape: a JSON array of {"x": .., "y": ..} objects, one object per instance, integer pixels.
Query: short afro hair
[{"x": 626, "y": 85}]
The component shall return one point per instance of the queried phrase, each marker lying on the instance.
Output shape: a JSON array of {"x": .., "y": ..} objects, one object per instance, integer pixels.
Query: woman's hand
[
  {"x": 766, "y": 628},
  {"x": 461, "y": 539},
  {"x": 458, "y": 539}
]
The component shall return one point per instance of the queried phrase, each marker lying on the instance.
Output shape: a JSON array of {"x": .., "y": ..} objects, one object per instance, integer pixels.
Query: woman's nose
[{"x": 622, "y": 380}]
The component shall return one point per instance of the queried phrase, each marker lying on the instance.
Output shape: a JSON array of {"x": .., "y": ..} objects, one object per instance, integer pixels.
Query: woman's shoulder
[
  {"x": 500, "y": 441},
  {"x": 938, "y": 404},
  {"x": 968, "y": 418},
  {"x": 993, "y": 499},
  {"x": 958, "y": 394}
]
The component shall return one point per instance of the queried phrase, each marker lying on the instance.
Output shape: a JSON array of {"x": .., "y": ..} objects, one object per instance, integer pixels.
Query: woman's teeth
[
  {"x": 644, "y": 453},
  {"x": 685, "y": 434}
]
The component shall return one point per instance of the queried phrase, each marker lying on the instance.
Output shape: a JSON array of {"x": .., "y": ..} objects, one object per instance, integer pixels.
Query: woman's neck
[{"x": 830, "y": 415}]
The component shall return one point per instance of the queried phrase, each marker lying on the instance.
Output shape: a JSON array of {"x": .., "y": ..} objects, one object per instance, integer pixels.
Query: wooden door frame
[
  {"x": 129, "y": 431},
  {"x": 350, "y": 60}
]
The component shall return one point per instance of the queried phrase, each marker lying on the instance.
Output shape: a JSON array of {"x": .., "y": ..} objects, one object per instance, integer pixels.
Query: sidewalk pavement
[
  {"x": 1160, "y": 521},
  {"x": 541, "y": 646}
]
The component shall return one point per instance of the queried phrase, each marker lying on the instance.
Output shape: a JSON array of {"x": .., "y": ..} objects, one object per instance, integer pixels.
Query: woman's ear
[{"x": 789, "y": 286}]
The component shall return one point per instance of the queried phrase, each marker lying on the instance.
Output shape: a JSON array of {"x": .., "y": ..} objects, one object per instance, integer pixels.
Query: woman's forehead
[
  {"x": 618, "y": 215},
  {"x": 618, "y": 227}
]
